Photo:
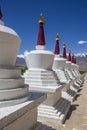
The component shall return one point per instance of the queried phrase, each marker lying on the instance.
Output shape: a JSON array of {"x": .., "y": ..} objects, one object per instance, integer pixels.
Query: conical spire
[
  {"x": 41, "y": 37},
  {"x": 57, "y": 49},
  {"x": 1, "y": 13},
  {"x": 64, "y": 51},
  {"x": 72, "y": 58},
  {"x": 69, "y": 55}
]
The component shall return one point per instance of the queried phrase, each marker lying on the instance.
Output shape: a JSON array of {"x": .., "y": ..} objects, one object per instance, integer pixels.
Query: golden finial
[
  {"x": 57, "y": 37},
  {"x": 72, "y": 54},
  {"x": 41, "y": 20},
  {"x": 69, "y": 51},
  {"x": 64, "y": 45}
]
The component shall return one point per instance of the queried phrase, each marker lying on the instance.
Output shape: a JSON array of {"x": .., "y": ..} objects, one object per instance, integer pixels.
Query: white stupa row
[
  {"x": 62, "y": 67},
  {"x": 41, "y": 78},
  {"x": 18, "y": 107}
]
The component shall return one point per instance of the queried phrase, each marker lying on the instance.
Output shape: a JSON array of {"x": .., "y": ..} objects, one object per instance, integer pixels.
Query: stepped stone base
[
  {"x": 69, "y": 74},
  {"x": 74, "y": 87},
  {"x": 77, "y": 83},
  {"x": 61, "y": 75},
  {"x": 46, "y": 81},
  {"x": 12, "y": 88},
  {"x": 56, "y": 113},
  {"x": 22, "y": 116},
  {"x": 41, "y": 79},
  {"x": 68, "y": 93}
]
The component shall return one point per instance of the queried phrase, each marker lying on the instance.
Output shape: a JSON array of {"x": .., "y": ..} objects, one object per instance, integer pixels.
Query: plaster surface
[{"x": 17, "y": 116}]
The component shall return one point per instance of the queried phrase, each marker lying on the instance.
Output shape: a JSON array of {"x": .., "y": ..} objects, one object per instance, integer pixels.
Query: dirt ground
[{"x": 77, "y": 116}]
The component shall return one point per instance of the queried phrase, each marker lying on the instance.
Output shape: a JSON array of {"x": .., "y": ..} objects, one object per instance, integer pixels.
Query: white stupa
[
  {"x": 58, "y": 67},
  {"x": 59, "y": 63},
  {"x": 68, "y": 70},
  {"x": 75, "y": 71},
  {"x": 18, "y": 108},
  {"x": 12, "y": 88},
  {"x": 68, "y": 66},
  {"x": 42, "y": 78}
]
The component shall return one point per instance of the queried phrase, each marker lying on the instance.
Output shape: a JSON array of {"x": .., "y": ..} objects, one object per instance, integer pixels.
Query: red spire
[
  {"x": 57, "y": 49},
  {"x": 72, "y": 58},
  {"x": 41, "y": 38},
  {"x": 64, "y": 51},
  {"x": 69, "y": 55},
  {"x": 1, "y": 13}
]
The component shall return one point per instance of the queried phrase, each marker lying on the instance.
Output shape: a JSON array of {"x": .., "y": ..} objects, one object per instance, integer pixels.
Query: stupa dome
[
  {"x": 5, "y": 29},
  {"x": 9, "y": 45}
]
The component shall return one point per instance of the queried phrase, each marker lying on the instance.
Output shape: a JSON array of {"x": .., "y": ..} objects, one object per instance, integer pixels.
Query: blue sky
[{"x": 68, "y": 18}]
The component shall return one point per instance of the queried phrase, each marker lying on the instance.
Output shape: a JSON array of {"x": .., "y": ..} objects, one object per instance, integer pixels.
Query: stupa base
[
  {"x": 67, "y": 93},
  {"x": 56, "y": 113},
  {"x": 46, "y": 81},
  {"x": 22, "y": 116},
  {"x": 54, "y": 108},
  {"x": 61, "y": 75},
  {"x": 74, "y": 86}
]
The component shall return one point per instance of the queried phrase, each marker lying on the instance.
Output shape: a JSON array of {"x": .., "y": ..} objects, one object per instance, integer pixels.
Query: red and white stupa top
[
  {"x": 40, "y": 58},
  {"x": 59, "y": 62}
]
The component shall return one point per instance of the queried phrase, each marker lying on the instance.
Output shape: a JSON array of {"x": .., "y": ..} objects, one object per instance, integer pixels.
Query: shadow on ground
[
  {"x": 41, "y": 126},
  {"x": 72, "y": 108},
  {"x": 77, "y": 95}
]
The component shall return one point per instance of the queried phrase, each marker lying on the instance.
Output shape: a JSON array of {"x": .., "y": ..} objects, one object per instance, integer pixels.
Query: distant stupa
[
  {"x": 57, "y": 49},
  {"x": 64, "y": 51}
]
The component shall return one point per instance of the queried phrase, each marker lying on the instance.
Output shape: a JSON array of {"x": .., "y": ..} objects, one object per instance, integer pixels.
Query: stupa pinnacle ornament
[
  {"x": 41, "y": 37},
  {"x": 69, "y": 55},
  {"x": 64, "y": 51},
  {"x": 41, "y": 19},
  {"x": 1, "y": 13},
  {"x": 57, "y": 49}
]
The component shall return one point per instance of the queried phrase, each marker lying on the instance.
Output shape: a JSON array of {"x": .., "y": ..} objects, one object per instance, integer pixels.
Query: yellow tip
[
  {"x": 72, "y": 54},
  {"x": 64, "y": 45},
  {"x": 57, "y": 37},
  {"x": 69, "y": 51},
  {"x": 41, "y": 19}
]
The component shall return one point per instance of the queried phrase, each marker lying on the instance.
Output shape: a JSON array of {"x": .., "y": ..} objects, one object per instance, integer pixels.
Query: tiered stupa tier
[
  {"x": 42, "y": 78},
  {"x": 18, "y": 108}
]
